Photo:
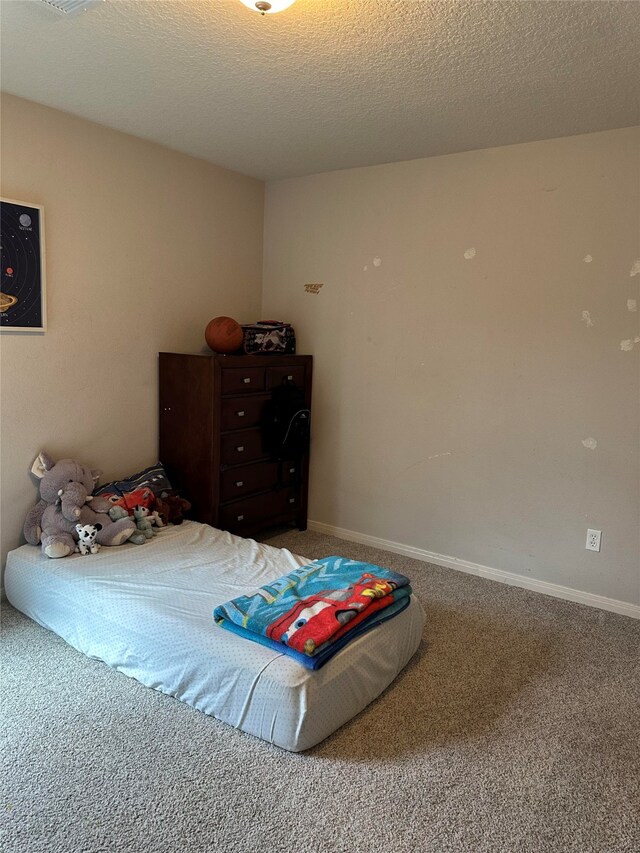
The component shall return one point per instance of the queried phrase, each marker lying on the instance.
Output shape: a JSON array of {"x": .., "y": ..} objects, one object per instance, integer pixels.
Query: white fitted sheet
[{"x": 147, "y": 611}]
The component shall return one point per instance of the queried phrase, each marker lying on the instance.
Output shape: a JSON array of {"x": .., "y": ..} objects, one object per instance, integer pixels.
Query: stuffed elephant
[{"x": 65, "y": 491}]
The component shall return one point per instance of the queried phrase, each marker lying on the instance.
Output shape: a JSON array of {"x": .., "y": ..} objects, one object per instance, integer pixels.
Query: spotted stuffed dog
[{"x": 87, "y": 538}]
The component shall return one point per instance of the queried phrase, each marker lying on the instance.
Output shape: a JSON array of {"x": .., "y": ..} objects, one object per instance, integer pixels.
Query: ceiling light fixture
[{"x": 265, "y": 7}]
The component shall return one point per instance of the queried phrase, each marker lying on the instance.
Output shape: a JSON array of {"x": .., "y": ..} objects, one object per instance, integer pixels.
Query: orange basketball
[{"x": 223, "y": 335}]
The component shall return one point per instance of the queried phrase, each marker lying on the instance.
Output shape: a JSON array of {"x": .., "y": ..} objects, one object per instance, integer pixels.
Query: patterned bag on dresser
[{"x": 269, "y": 336}]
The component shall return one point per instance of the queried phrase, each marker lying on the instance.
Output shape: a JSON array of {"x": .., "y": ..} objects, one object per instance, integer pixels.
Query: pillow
[
  {"x": 130, "y": 500},
  {"x": 154, "y": 478}
]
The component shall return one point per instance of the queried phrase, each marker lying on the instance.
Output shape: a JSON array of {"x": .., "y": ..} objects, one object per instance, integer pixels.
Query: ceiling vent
[{"x": 72, "y": 7}]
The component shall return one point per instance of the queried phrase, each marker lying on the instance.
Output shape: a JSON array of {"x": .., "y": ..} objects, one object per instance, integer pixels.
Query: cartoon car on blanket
[{"x": 314, "y": 620}]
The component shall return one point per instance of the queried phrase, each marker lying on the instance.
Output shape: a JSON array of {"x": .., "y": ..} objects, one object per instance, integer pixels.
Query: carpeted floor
[{"x": 515, "y": 728}]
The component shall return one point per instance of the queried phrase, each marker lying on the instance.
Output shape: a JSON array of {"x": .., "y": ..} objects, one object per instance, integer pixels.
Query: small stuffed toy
[
  {"x": 116, "y": 513},
  {"x": 143, "y": 524},
  {"x": 172, "y": 508},
  {"x": 87, "y": 538}
]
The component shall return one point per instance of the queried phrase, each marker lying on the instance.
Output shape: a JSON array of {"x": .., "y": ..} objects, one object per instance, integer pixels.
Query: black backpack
[{"x": 285, "y": 423}]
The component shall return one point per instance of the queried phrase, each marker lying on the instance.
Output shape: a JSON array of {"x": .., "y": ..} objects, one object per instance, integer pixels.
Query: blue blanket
[{"x": 312, "y": 612}]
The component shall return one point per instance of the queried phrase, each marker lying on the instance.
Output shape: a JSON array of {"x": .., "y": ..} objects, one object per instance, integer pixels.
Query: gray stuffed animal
[{"x": 65, "y": 491}]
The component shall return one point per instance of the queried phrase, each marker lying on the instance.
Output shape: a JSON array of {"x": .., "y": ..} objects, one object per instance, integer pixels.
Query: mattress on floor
[{"x": 146, "y": 610}]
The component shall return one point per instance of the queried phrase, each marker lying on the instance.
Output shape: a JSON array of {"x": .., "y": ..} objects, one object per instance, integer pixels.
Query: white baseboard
[{"x": 624, "y": 608}]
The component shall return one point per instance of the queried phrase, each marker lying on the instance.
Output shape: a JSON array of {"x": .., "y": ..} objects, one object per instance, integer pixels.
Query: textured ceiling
[{"x": 330, "y": 84}]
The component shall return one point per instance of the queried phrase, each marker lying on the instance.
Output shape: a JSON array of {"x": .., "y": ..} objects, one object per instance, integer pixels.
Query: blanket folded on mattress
[{"x": 313, "y": 611}]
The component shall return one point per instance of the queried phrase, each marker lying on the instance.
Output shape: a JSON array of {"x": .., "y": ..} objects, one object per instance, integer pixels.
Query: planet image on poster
[
  {"x": 7, "y": 301},
  {"x": 25, "y": 220},
  {"x": 224, "y": 335}
]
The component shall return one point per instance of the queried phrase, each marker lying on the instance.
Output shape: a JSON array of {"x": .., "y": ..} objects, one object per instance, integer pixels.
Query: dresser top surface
[{"x": 264, "y": 360}]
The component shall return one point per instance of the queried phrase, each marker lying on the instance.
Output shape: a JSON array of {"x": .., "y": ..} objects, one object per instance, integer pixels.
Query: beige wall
[
  {"x": 144, "y": 246},
  {"x": 452, "y": 395}
]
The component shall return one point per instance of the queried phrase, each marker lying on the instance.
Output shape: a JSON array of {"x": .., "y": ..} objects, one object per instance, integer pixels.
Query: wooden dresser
[{"x": 211, "y": 444}]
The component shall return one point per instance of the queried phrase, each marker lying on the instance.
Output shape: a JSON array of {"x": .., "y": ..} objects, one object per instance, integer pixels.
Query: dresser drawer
[
  {"x": 261, "y": 476},
  {"x": 254, "y": 511},
  {"x": 290, "y": 472},
  {"x": 242, "y": 380},
  {"x": 289, "y": 500},
  {"x": 240, "y": 446},
  {"x": 236, "y": 482},
  {"x": 246, "y": 513},
  {"x": 241, "y": 412},
  {"x": 276, "y": 375}
]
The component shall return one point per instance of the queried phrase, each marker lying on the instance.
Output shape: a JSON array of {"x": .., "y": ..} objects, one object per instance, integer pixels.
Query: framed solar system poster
[{"x": 22, "y": 267}]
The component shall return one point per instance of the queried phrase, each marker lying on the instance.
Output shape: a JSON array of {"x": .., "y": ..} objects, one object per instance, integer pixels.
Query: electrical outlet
[{"x": 593, "y": 540}]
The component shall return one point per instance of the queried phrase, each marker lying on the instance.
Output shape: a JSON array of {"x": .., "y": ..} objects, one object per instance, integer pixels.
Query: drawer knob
[
  {"x": 292, "y": 500},
  {"x": 240, "y": 414},
  {"x": 240, "y": 518},
  {"x": 240, "y": 448},
  {"x": 292, "y": 470},
  {"x": 239, "y": 483},
  {"x": 247, "y": 380},
  {"x": 290, "y": 377}
]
